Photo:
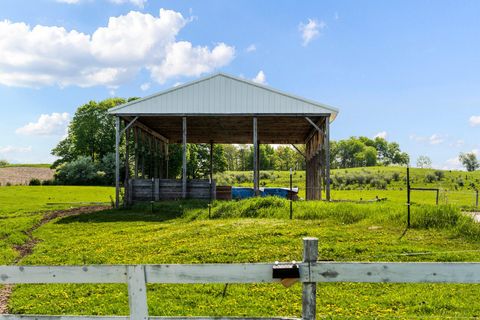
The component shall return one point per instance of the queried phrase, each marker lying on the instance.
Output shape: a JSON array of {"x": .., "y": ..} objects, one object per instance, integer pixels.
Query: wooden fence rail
[{"x": 310, "y": 273}]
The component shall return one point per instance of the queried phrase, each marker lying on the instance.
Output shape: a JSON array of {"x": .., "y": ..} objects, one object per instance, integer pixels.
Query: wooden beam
[
  {"x": 298, "y": 150},
  {"x": 184, "y": 157},
  {"x": 150, "y": 131}
]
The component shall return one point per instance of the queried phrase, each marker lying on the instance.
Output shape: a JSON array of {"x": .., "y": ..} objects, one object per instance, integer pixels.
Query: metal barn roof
[{"x": 223, "y": 95}]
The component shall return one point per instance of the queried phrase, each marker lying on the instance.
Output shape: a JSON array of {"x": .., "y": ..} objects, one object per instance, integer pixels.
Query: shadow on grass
[{"x": 160, "y": 211}]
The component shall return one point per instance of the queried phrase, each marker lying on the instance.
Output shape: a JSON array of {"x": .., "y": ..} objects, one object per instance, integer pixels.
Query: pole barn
[{"x": 218, "y": 109}]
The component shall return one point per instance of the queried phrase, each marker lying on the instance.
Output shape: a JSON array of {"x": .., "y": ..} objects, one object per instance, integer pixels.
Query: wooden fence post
[
  {"x": 309, "y": 289},
  {"x": 137, "y": 292}
]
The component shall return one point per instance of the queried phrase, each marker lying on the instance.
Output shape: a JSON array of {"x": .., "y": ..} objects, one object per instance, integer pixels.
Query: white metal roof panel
[{"x": 222, "y": 94}]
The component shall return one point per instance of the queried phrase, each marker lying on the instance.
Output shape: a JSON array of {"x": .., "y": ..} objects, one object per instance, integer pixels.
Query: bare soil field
[{"x": 22, "y": 175}]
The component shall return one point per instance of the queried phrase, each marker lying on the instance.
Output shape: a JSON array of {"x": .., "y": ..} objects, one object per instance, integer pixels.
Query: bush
[
  {"x": 460, "y": 182},
  {"x": 430, "y": 177},
  {"x": 48, "y": 182},
  {"x": 439, "y": 174},
  {"x": 3, "y": 163},
  {"x": 34, "y": 182},
  {"x": 396, "y": 176},
  {"x": 81, "y": 171}
]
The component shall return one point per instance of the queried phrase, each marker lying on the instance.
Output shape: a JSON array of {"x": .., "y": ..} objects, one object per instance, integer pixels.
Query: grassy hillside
[
  {"x": 257, "y": 230},
  {"x": 457, "y": 187}
]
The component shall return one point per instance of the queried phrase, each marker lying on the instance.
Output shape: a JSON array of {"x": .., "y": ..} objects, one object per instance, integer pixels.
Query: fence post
[
  {"x": 137, "y": 292},
  {"x": 309, "y": 289},
  {"x": 476, "y": 198}
]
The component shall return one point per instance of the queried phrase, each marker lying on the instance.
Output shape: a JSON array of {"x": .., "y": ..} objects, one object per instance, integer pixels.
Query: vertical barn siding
[{"x": 223, "y": 94}]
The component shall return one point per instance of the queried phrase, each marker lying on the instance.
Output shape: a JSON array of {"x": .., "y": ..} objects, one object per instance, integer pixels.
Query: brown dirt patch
[
  {"x": 22, "y": 175},
  {"x": 26, "y": 248}
]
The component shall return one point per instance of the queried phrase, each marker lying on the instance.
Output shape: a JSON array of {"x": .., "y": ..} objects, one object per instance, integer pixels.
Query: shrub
[
  {"x": 3, "y": 163},
  {"x": 81, "y": 171},
  {"x": 396, "y": 176},
  {"x": 439, "y": 174},
  {"x": 34, "y": 182},
  {"x": 48, "y": 182},
  {"x": 460, "y": 182},
  {"x": 430, "y": 177}
]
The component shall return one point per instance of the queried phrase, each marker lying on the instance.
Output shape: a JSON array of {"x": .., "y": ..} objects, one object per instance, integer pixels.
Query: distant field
[
  {"x": 456, "y": 187},
  {"x": 29, "y": 165},
  {"x": 21, "y": 175}
]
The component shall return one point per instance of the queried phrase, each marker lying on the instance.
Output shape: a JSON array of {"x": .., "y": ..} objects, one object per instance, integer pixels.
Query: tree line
[{"x": 87, "y": 152}]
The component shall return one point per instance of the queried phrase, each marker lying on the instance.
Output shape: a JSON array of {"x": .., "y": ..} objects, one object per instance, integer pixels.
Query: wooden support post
[
  {"x": 476, "y": 198},
  {"x": 142, "y": 150},
  {"x": 437, "y": 196},
  {"x": 327, "y": 158},
  {"x": 309, "y": 289},
  {"x": 117, "y": 161},
  {"x": 257, "y": 159},
  {"x": 127, "y": 167},
  {"x": 211, "y": 161},
  {"x": 212, "y": 183},
  {"x": 184, "y": 157},
  {"x": 137, "y": 292},
  {"x": 408, "y": 197},
  {"x": 135, "y": 137},
  {"x": 167, "y": 156},
  {"x": 255, "y": 150}
]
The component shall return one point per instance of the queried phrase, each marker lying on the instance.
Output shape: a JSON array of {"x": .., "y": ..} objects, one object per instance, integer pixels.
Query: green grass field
[
  {"x": 254, "y": 230},
  {"x": 23, "y": 206}
]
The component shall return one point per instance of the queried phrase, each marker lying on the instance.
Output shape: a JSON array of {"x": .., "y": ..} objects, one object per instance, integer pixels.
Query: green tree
[
  {"x": 91, "y": 133},
  {"x": 469, "y": 161},
  {"x": 424, "y": 162},
  {"x": 286, "y": 158}
]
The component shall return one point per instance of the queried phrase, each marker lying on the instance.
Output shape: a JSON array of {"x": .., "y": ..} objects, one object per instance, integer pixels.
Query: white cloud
[
  {"x": 49, "y": 55},
  {"x": 336, "y": 16},
  {"x": 434, "y": 139},
  {"x": 310, "y": 30},
  {"x": 176, "y": 84},
  {"x": 145, "y": 86},
  {"x": 182, "y": 59},
  {"x": 474, "y": 121},
  {"x": 11, "y": 149},
  {"x": 381, "y": 134},
  {"x": 260, "y": 78},
  {"x": 138, "y": 3},
  {"x": 46, "y": 125},
  {"x": 251, "y": 48}
]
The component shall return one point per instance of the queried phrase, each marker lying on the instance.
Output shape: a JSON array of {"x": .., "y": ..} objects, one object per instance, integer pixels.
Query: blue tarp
[{"x": 245, "y": 192}]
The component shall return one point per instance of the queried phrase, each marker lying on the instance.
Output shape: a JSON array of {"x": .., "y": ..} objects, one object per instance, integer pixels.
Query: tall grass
[{"x": 444, "y": 217}]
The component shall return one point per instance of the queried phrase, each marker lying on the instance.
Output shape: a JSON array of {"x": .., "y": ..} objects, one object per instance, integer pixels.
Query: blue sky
[{"x": 406, "y": 70}]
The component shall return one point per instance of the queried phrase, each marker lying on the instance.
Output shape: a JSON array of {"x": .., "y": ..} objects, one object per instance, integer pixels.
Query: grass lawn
[
  {"x": 22, "y": 206},
  {"x": 256, "y": 230}
]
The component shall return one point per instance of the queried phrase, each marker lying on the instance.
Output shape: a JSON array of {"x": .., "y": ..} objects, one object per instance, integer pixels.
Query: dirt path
[{"x": 26, "y": 248}]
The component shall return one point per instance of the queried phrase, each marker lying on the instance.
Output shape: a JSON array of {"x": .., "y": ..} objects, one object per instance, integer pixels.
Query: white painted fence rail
[{"x": 311, "y": 272}]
